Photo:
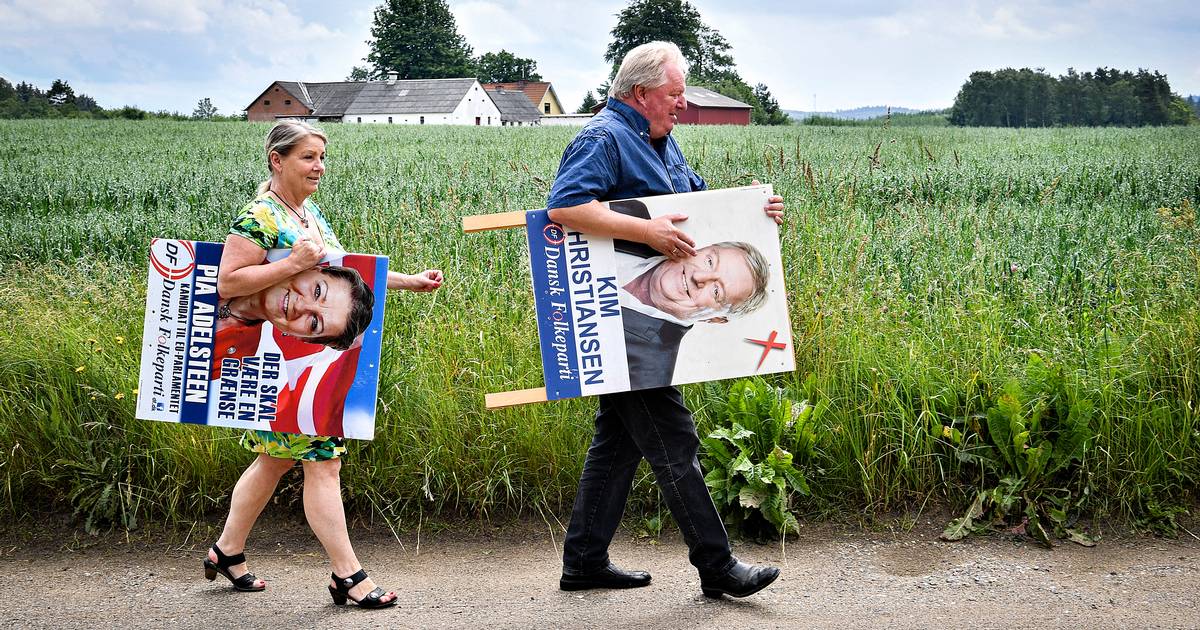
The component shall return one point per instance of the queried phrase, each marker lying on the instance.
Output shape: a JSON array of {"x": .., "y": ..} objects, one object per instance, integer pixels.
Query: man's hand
[
  {"x": 306, "y": 253},
  {"x": 662, "y": 235},
  {"x": 774, "y": 207}
]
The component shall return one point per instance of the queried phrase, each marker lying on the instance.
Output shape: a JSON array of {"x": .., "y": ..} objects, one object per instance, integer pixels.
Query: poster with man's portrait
[
  {"x": 617, "y": 316},
  {"x": 301, "y": 356}
]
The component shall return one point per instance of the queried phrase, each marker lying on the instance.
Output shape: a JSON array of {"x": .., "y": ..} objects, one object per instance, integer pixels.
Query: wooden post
[
  {"x": 498, "y": 221},
  {"x": 517, "y": 397},
  {"x": 503, "y": 221}
]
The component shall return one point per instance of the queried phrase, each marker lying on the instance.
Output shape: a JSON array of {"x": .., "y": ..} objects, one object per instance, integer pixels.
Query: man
[
  {"x": 626, "y": 151},
  {"x": 661, "y": 299}
]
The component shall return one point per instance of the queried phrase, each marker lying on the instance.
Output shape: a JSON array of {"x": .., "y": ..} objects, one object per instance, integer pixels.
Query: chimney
[{"x": 392, "y": 76}]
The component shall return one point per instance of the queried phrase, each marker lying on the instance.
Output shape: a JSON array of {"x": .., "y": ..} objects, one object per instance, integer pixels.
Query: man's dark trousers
[{"x": 655, "y": 424}]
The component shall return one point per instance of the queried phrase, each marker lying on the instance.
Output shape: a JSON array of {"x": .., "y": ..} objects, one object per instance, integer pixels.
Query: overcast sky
[{"x": 168, "y": 54}]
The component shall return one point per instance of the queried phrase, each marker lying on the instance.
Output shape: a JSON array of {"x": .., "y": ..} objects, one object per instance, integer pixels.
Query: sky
[{"x": 169, "y": 54}]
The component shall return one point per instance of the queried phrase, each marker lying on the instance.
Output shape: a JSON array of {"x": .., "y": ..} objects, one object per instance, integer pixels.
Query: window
[
  {"x": 547, "y": 108},
  {"x": 477, "y": 121},
  {"x": 360, "y": 119},
  {"x": 489, "y": 121},
  {"x": 267, "y": 103},
  {"x": 389, "y": 120},
  {"x": 422, "y": 120}
]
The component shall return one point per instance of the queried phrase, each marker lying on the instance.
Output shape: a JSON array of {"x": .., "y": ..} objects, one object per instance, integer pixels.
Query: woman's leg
[
  {"x": 327, "y": 518},
  {"x": 250, "y": 495}
]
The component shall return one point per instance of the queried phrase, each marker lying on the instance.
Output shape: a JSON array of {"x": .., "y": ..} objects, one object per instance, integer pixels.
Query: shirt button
[{"x": 230, "y": 350}]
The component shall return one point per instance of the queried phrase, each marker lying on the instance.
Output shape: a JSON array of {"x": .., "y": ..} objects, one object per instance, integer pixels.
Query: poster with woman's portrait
[
  {"x": 301, "y": 356},
  {"x": 616, "y": 315}
]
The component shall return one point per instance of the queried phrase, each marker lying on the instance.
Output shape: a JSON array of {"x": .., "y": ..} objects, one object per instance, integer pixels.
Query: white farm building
[{"x": 402, "y": 102}]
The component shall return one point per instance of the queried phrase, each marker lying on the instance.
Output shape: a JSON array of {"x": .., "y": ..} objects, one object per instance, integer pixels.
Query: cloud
[{"x": 170, "y": 53}]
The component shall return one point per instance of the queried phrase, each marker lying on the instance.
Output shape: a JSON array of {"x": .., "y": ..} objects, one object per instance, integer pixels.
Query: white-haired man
[{"x": 627, "y": 151}]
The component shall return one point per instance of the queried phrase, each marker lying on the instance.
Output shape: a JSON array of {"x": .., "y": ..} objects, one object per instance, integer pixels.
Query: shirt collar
[{"x": 631, "y": 116}]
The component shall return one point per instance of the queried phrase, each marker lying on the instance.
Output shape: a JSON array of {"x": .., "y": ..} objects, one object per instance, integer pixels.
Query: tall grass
[{"x": 924, "y": 265}]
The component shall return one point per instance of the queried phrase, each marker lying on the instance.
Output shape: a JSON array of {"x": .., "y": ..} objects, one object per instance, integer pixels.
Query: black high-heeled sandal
[
  {"x": 243, "y": 583},
  {"x": 374, "y": 599}
]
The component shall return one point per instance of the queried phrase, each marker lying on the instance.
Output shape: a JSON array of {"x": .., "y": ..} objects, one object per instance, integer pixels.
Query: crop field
[{"x": 930, "y": 271}]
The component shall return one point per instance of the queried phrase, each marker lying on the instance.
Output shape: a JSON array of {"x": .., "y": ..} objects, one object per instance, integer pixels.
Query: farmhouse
[
  {"x": 540, "y": 93},
  {"x": 408, "y": 102},
  {"x": 515, "y": 108},
  {"x": 706, "y": 107}
]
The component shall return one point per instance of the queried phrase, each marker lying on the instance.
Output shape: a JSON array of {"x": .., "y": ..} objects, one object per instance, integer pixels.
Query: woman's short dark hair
[{"x": 362, "y": 304}]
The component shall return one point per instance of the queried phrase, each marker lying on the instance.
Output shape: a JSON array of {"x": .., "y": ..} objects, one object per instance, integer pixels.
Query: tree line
[
  {"x": 419, "y": 39},
  {"x": 1106, "y": 97},
  {"x": 26, "y": 100}
]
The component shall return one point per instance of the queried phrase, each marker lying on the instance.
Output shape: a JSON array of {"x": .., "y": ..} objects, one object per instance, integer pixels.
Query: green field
[{"x": 926, "y": 266}]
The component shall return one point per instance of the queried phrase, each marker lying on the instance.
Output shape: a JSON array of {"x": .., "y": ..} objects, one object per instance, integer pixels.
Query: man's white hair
[{"x": 646, "y": 66}]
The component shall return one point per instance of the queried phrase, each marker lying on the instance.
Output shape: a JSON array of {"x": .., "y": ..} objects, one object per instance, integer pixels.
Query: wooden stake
[
  {"x": 498, "y": 221},
  {"x": 503, "y": 221},
  {"x": 518, "y": 397}
]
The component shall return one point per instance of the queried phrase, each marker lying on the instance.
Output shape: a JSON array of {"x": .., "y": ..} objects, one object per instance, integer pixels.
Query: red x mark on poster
[{"x": 768, "y": 345}]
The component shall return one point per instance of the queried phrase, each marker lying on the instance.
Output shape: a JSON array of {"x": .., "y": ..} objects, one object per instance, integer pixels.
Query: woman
[{"x": 282, "y": 215}]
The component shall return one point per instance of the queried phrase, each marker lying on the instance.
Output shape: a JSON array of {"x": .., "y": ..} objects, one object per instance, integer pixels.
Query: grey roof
[
  {"x": 702, "y": 97},
  {"x": 514, "y": 106},
  {"x": 413, "y": 96},
  {"x": 331, "y": 99}
]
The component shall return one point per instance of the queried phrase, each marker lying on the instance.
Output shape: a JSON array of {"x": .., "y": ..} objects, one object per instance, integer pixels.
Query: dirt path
[{"x": 506, "y": 577}]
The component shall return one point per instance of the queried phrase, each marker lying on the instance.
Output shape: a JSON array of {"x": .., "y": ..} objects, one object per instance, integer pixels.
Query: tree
[
  {"x": 712, "y": 62},
  {"x": 646, "y": 21},
  {"x": 359, "y": 73},
  {"x": 205, "y": 110},
  {"x": 505, "y": 67},
  {"x": 27, "y": 92},
  {"x": 589, "y": 102},
  {"x": 60, "y": 93},
  {"x": 7, "y": 91},
  {"x": 769, "y": 112},
  {"x": 707, "y": 51},
  {"x": 85, "y": 103},
  {"x": 418, "y": 39}
]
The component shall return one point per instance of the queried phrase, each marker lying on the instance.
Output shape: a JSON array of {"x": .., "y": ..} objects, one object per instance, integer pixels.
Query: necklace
[
  {"x": 303, "y": 217},
  {"x": 224, "y": 312}
]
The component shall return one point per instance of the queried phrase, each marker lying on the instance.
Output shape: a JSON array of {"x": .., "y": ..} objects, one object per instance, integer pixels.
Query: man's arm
[{"x": 660, "y": 233}]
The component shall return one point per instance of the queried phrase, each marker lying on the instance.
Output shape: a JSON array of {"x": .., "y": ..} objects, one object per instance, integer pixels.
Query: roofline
[{"x": 268, "y": 88}]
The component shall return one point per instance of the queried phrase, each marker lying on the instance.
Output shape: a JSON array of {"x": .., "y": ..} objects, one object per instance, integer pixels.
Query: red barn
[{"x": 706, "y": 107}]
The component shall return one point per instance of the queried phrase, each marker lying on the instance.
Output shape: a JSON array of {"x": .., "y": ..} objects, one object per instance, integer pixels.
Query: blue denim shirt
[{"x": 614, "y": 158}]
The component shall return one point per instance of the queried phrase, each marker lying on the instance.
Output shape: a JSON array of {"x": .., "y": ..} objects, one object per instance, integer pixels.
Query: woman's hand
[
  {"x": 305, "y": 255},
  {"x": 662, "y": 235},
  {"x": 424, "y": 282}
]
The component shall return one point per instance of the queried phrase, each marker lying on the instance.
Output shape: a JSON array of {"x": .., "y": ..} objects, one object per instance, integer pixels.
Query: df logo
[
  {"x": 173, "y": 260},
  {"x": 554, "y": 234}
]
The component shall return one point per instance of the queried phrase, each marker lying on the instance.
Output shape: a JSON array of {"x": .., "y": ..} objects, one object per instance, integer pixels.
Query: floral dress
[{"x": 269, "y": 224}]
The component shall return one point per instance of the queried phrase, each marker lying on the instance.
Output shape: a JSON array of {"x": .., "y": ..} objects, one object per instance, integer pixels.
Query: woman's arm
[
  {"x": 242, "y": 271},
  {"x": 423, "y": 282}
]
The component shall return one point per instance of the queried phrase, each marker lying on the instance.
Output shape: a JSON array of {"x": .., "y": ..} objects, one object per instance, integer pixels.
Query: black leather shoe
[
  {"x": 741, "y": 580},
  {"x": 610, "y": 576}
]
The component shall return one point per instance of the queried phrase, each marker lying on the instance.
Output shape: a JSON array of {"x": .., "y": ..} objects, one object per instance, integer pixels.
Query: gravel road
[{"x": 505, "y": 576}]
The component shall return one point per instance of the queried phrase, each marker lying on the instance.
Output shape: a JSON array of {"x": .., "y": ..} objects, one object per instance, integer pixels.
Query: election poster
[
  {"x": 617, "y": 316},
  {"x": 301, "y": 356}
]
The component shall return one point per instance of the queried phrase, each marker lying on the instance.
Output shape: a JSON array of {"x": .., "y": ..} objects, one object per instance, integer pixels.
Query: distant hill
[{"x": 858, "y": 113}]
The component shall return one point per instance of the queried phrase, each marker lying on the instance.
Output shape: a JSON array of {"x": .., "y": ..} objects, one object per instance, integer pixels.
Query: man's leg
[
  {"x": 608, "y": 471},
  {"x": 665, "y": 434}
]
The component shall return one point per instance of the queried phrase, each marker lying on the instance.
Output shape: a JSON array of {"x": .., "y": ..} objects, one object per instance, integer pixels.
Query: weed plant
[{"x": 925, "y": 266}]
